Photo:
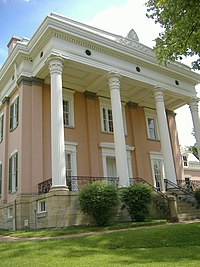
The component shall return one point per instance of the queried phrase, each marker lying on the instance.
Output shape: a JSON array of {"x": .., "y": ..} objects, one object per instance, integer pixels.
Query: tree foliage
[{"x": 180, "y": 20}]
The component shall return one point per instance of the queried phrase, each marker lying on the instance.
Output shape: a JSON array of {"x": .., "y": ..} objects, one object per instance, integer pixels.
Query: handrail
[
  {"x": 157, "y": 201},
  {"x": 154, "y": 188},
  {"x": 175, "y": 186}
]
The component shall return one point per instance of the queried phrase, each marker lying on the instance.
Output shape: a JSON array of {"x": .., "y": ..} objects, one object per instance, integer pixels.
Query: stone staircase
[{"x": 186, "y": 204}]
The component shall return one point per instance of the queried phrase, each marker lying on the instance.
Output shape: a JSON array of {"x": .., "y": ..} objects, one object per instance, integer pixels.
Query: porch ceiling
[{"x": 81, "y": 78}]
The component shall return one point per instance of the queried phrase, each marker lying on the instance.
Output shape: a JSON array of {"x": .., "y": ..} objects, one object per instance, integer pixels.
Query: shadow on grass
[{"x": 175, "y": 245}]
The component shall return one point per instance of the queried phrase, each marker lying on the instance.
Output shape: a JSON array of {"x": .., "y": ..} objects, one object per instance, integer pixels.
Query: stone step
[
  {"x": 188, "y": 216},
  {"x": 186, "y": 209}
]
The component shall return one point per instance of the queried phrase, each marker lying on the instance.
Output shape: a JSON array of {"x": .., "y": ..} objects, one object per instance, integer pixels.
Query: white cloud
[{"x": 121, "y": 19}]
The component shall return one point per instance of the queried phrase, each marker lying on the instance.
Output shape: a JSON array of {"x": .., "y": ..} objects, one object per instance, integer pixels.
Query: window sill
[
  {"x": 41, "y": 214},
  {"x": 70, "y": 127},
  {"x": 155, "y": 140}
]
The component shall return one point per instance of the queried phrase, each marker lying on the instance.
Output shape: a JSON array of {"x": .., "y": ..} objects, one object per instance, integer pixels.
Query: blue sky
[{"x": 21, "y": 18}]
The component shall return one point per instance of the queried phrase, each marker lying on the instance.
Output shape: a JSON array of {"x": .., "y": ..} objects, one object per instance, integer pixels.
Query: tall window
[
  {"x": 71, "y": 165},
  {"x": 1, "y": 127},
  {"x": 157, "y": 173},
  {"x": 14, "y": 114},
  {"x": 151, "y": 123},
  {"x": 107, "y": 117},
  {"x": 68, "y": 108},
  {"x": 152, "y": 128},
  {"x": 1, "y": 178},
  {"x": 68, "y": 162},
  {"x": 107, "y": 120},
  {"x": 13, "y": 173},
  {"x": 157, "y": 170}
]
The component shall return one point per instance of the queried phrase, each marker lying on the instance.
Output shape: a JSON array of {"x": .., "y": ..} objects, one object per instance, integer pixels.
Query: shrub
[
  {"x": 99, "y": 199},
  {"x": 197, "y": 196},
  {"x": 137, "y": 199}
]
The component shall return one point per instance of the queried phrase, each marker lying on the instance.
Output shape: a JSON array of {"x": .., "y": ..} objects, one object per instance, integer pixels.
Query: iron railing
[
  {"x": 75, "y": 183},
  {"x": 190, "y": 185},
  {"x": 160, "y": 199},
  {"x": 180, "y": 192}
]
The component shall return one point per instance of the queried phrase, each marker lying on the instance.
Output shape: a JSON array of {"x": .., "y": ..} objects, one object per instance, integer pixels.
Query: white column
[
  {"x": 119, "y": 135},
  {"x": 193, "y": 104},
  {"x": 164, "y": 135},
  {"x": 57, "y": 126}
]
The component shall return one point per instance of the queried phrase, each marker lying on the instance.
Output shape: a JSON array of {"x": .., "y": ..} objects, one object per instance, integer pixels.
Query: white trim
[
  {"x": 10, "y": 211},
  {"x": 153, "y": 157},
  {"x": 151, "y": 114},
  {"x": 39, "y": 206},
  {"x": 13, "y": 100},
  {"x": 68, "y": 95},
  {"x": 106, "y": 103},
  {"x": 14, "y": 152},
  {"x": 108, "y": 150},
  {"x": 71, "y": 148}
]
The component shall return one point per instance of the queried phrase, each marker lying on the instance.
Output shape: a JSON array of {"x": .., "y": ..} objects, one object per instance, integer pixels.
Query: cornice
[{"x": 24, "y": 80}]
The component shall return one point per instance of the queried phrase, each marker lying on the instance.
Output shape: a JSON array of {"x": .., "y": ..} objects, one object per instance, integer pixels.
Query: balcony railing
[
  {"x": 189, "y": 186},
  {"x": 75, "y": 183}
]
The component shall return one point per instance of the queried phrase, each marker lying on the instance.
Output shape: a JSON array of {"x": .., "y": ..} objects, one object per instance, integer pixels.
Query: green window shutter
[
  {"x": 2, "y": 127},
  {"x": 16, "y": 171},
  {"x": 10, "y": 176},
  {"x": 11, "y": 116},
  {"x": 1, "y": 130},
  {"x": 17, "y": 110}
]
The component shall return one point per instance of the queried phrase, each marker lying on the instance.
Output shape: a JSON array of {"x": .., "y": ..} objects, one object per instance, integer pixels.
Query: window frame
[
  {"x": 13, "y": 173},
  {"x": 68, "y": 96},
  {"x": 156, "y": 156},
  {"x": 10, "y": 211},
  {"x": 14, "y": 114},
  {"x": 185, "y": 161},
  {"x": 105, "y": 104},
  {"x": 108, "y": 151},
  {"x": 1, "y": 127},
  {"x": 39, "y": 206},
  {"x": 151, "y": 114}
]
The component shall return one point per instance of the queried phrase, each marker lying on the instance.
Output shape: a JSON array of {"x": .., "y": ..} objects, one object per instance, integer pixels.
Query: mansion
[{"x": 77, "y": 104}]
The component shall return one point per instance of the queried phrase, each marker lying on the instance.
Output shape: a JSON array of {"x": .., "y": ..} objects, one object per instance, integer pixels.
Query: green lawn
[{"x": 166, "y": 245}]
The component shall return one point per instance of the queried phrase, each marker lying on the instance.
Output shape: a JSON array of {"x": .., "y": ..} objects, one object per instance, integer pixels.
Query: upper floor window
[
  {"x": 1, "y": 178},
  {"x": 185, "y": 162},
  {"x": 107, "y": 117},
  {"x": 14, "y": 114},
  {"x": 13, "y": 173},
  {"x": 1, "y": 127},
  {"x": 152, "y": 125},
  {"x": 68, "y": 108},
  {"x": 107, "y": 120}
]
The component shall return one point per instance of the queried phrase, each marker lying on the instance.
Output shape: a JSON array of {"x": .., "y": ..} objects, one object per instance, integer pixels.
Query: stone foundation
[{"x": 59, "y": 209}]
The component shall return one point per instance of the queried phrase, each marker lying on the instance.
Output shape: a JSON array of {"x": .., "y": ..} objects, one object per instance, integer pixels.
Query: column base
[{"x": 59, "y": 188}]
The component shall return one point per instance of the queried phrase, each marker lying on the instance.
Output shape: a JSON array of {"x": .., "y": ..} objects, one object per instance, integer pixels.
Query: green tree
[
  {"x": 180, "y": 20},
  {"x": 193, "y": 150}
]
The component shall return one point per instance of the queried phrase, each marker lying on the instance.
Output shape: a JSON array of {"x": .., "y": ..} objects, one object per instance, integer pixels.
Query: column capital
[
  {"x": 56, "y": 64},
  {"x": 158, "y": 93},
  {"x": 193, "y": 103},
  {"x": 113, "y": 79}
]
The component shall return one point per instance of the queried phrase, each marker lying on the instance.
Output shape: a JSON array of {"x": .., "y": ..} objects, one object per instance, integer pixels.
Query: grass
[
  {"x": 175, "y": 245},
  {"x": 78, "y": 229}
]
